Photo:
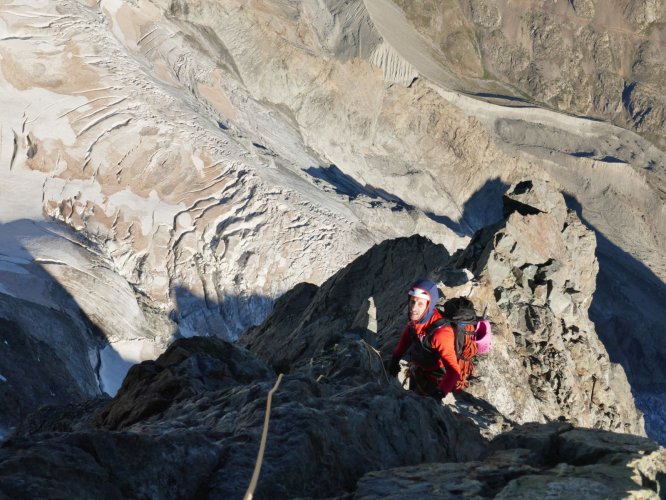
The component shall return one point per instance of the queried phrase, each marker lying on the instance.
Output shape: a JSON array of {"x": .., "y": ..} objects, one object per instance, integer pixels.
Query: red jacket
[{"x": 443, "y": 341}]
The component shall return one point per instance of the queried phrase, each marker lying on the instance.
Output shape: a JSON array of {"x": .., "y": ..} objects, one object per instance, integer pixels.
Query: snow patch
[
  {"x": 116, "y": 359},
  {"x": 198, "y": 163},
  {"x": 152, "y": 211},
  {"x": 39, "y": 111}
]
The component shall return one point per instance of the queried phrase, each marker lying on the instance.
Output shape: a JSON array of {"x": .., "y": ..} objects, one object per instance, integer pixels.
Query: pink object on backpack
[{"x": 483, "y": 337}]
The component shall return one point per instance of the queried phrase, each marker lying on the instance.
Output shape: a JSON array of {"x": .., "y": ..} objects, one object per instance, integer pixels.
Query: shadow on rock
[
  {"x": 482, "y": 208},
  {"x": 346, "y": 185},
  {"x": 49, "y": 345},
  {"x": 628, "y": 312},
  {"x": 226, "y": 317}
]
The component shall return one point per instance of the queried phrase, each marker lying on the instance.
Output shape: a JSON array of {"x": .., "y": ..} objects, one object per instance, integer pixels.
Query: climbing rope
[
  {"x": 260, "y": 456},
  {"x": 370, "y": 349}
]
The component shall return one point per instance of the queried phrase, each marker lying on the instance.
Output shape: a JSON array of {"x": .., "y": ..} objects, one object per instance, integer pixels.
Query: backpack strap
[
  {"x": 465, "y": 362},
  {"x": 430, "y": 331},
  {"x": 436, "y": 325},
  {"x": 432, "y": 328}
]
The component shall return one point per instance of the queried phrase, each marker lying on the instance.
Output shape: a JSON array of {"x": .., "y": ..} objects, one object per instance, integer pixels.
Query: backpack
[{"x": 461, "y": 315}]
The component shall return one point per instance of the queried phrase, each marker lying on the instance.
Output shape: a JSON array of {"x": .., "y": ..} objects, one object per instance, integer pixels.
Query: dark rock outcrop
[
  {"x": 551, "y": 460},
  {"x": 105, "y": 464},
  {"x": 44, "y": 359},
  {"x": 188, "y": 368},
  {"x": 323, "y": 436}
]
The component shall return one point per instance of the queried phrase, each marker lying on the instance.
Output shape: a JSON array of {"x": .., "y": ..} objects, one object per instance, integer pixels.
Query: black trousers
[{"x": 424, "y": 382}]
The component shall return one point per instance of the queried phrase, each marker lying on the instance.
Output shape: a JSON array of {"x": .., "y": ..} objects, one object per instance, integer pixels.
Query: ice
[{"x": 116, "y": 359}]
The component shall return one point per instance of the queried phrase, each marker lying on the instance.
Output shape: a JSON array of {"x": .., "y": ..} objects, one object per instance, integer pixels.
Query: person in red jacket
[{"x": 434, "y": 367}]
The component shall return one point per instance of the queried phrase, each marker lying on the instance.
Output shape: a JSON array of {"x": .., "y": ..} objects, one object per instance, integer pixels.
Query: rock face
[
  {"x": 325, "y": 438},
  {"x": 189, "y": 423},
  {"x": 201, "y": 404},
  {"x": 537, "y": 271}
]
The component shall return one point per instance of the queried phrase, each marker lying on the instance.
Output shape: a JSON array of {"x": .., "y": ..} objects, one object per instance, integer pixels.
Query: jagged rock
[
  {"x": 285, "y": 315},
  {"x": 323, "y": 435},
  {"x": 539, "y": 439},
  {"x": 333, "y": 311},
  {"x": 534, "y": 460},
  {"x": 187, "y": 368},
  {"x": 528, "y": 198},
  {"x": 484, "y": 415}
]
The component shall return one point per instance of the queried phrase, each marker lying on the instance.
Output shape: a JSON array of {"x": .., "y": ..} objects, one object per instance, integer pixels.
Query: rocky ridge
[
  {"x": 189, "y": 423},
  {"x": 532, "y": 273}
]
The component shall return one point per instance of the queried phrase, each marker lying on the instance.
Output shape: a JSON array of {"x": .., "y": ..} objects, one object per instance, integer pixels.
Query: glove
[{"x": 393, "y": 366}]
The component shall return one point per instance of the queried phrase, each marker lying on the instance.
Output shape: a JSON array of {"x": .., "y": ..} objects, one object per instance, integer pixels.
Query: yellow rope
[
  {"x": 369, "y": 348},
  {"x": 260, "y": 456}
]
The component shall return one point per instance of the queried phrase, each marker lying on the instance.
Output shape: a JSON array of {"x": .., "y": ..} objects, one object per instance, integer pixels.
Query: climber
[{"x": 433, "y": 369}]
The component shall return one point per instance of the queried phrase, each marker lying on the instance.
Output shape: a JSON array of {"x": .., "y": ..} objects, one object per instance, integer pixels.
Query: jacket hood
[{"x": 427, "y": 289}]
